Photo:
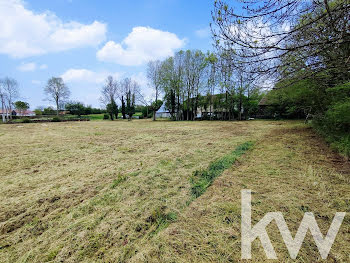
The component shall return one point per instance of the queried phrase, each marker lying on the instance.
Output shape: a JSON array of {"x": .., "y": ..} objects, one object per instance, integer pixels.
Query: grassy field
[{"x": 123, "y": 191}]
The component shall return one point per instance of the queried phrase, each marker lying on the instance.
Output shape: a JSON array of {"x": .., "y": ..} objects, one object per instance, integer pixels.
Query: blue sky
[{"x": 85, "y": 40}]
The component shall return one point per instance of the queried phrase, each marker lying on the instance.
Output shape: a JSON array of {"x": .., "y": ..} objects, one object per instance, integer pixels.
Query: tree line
[
  {"x": 196, "y": 84},
  {"x": 55, "y": 91}
]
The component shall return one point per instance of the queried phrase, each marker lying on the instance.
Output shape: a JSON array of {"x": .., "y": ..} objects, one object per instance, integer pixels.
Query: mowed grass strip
[{"x": 202, "y": 179}]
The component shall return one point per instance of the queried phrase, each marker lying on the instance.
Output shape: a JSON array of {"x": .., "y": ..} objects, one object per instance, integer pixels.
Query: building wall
[{"x": 163, "y": 115}]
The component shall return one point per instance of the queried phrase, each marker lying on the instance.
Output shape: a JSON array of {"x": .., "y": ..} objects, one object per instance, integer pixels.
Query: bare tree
[
  {"x": 109, "y": 91},
  {"x": 154, "y": 71},
  {"x": 274, "y": 38},
  {"x": 9, "y": 94},
  {"x": 57, "y": 92},
  {"x": 2, "y": 100}
]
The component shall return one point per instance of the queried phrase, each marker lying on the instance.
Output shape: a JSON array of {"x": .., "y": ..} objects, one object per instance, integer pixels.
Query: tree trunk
[
  {"x": 210, "y": 106},
  {"x": 188, "y": 106},
  {"x": 240, "y": 108},
  {"x": 178, "y": 107},
  {"x": 154, "y": 112},
  {"x": 10, "y": 112},
  {"x": 57, "y": 107},
  {"x": 183, "y": 106},
  {"x": 3, "y": 111}
]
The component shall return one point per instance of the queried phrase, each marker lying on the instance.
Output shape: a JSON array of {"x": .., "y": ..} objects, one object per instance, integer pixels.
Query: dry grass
[
  {"x": 291, "y": 171},
  {"x": 106, "y": 191},
  {"x": 96, "y": 191}
]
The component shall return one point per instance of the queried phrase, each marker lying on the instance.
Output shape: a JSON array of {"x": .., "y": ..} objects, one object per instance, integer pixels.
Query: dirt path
[{"x": 291, "y": 171}]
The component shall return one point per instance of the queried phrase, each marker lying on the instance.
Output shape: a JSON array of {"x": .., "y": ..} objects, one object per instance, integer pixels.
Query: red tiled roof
[{"x": 24, "y": 112}]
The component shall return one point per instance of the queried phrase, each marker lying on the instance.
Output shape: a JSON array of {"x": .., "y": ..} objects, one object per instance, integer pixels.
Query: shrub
[
  {"x": 26, "y": 120},
  {"x": 334, "y": 125},
  {"x": 338, "y": 116},
  {"x": 105, "y": 116},
  {"x": 56, "y": 119},
  {"x": 342, "y": 144}
]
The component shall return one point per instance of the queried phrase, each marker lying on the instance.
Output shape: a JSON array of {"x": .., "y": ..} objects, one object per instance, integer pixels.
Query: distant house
[
  {"x": 216, "y": 112},
  {"x": 163, "y": 113},
  {"x": 263, "y": 108},
  {"x": 27, "y": 113},
  {"x": 63, "y": 112}
]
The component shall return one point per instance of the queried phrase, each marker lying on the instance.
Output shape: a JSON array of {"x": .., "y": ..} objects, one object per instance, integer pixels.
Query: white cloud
[
  {"x": 88, "y": 76},
  {"x": 27, "y": 67},
  {"x": 141, "y": 79},
  {"x": 24, "y": 33},
  {"x": 140, "y": 46},
  {"x": 31, "y": 66},
  {"x": 203, "y": 32},
  {"x": 86, "y": 84}
]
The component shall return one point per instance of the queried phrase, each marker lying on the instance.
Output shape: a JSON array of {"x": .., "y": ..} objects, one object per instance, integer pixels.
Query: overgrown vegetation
[{"x": 328, "y": 108}]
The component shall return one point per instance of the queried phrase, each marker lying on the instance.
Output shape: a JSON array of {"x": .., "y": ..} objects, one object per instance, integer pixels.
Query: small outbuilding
[{"x": 163, "y": 113}]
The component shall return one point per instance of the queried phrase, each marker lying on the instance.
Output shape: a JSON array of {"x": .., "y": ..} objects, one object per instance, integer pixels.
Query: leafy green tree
[
  {"x": 130, "y": 104},
  {"x": 76, "y": 108},
  {"x": 112, "y": 110},
  {"x": 38, "y": 111},
  {"x": 21, "y": 106},
  {"x": 170, "y": 102},
  {"x": 155, "y": 106},
  {"x": 48, "y": 111},
  {"x": 88, "y": 110}
]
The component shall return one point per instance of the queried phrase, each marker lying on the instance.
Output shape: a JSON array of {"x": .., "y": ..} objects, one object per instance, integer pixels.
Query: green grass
[
  {"x": 136, "y": 114},
  {"x": 161, "y": 220},
  {"x": 96, "y": 117},
  {"x": 202, "y": 179},
  {"x": 119, "y": 180}
]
